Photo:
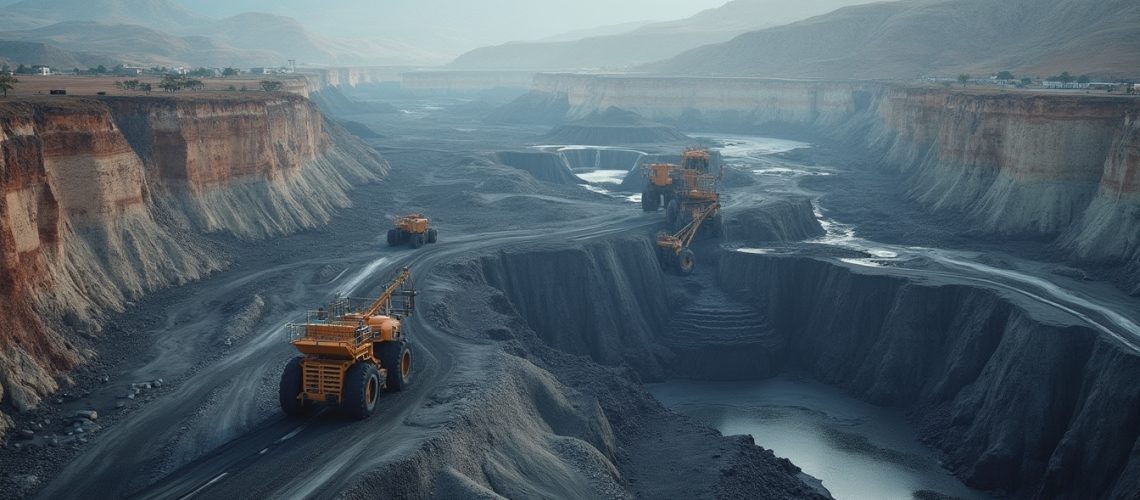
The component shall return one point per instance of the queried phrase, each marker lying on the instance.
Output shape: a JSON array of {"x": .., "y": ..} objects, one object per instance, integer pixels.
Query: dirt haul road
[
  {"x": 302, "y": 457},
  {"x": 214, "y": 428}
]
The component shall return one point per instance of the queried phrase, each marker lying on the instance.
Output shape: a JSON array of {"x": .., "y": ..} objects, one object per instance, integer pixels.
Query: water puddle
[
  {"x": 604, "y": 176},
  {"x": 858, "y": 450}
]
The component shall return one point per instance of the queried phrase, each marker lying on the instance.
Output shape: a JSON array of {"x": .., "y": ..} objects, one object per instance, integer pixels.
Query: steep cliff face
[
  {"x": 1017, "y": 397},
  {"x": 1014, "y": 164},
  {"x": 556, "y": 291},
  {"x": 704, "y": 101},
  {"x": 1109, "y": 230},
  {"x": 1018, "y": 164},
  {"x": 106, "y": 199}
]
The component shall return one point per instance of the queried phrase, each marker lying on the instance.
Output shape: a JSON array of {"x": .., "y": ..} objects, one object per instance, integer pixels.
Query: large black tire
[
  {"x": 672, "y": 213},
  {"x": 686, "y": 262},
  {"x": 432, "y": 236},
  {"x": 361, "y": 391},
  {"x": 291, "y": 388},
  {"x": 397, "y": 359},
  {"x": 417, "y": 240},
  {"x": 650, "y": 200},
  {"x": 393, "y": 237}
]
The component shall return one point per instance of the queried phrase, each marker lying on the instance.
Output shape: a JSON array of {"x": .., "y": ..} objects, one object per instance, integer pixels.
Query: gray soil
[
  {"x": 185, "y": 381},
  {"x": 543, "y": 310},
  {"x": 615, "y": 127}
]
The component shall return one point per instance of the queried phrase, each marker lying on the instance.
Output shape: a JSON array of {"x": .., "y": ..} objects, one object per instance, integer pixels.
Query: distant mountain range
[
  {"x": 162, "y": 32},
  {"x": 15, "y": 53},
  {"x": 908, "y": 39},
  {"x": 650, "y": 42}
]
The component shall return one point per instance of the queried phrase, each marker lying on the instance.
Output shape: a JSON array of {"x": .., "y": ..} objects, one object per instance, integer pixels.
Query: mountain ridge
[
  {"x": 910, "y": 39},
  {"x": 647, "y": 43}
]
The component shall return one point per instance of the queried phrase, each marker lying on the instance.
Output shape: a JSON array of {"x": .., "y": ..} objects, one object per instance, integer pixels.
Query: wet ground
[{"x": 858, "y": 450}]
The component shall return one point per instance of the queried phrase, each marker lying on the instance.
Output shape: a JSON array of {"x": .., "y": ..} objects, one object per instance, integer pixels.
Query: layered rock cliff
[
  {"x": 1054, "y": 166},
  {"x": 105, "y": 199}
]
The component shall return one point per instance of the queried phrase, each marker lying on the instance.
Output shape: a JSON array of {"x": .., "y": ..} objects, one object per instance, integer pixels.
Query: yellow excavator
[
  {"x": 349, "y": 353},
  {"x": 693, "y": 207}
]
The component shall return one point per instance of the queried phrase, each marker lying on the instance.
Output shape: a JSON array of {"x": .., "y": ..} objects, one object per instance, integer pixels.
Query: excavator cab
[{"x": 697, "y": 159}]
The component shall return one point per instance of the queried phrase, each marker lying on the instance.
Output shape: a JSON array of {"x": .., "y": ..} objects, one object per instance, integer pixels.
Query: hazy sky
[{"x": 450, "y": 23}]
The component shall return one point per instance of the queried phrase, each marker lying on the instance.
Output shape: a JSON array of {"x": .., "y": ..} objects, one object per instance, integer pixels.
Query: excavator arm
[
  {"x": 673, "y": 249},
  {"x": 683, "y": 238},
  {"x": 384, "y": 302}
]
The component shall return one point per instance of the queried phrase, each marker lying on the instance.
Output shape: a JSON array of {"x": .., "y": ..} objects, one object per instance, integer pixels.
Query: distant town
[
  {"x": 1063, "y": 81},
  {"x": 124, "y": 70}
]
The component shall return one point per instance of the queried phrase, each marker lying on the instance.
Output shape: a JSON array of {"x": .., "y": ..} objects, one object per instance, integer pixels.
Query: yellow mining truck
[
  {"x": 350, "y": 353},
  {"x": 414, "y": 229}
]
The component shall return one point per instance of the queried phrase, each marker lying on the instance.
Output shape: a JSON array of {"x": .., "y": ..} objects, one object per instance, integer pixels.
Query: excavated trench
[{"x": 1016, "y": 397}]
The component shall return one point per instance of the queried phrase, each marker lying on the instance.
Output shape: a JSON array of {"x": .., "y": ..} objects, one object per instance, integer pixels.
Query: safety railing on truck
[{"x": 330, "y": 331}]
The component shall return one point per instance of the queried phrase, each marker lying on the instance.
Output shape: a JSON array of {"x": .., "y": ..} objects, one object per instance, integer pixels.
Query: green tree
[
  {"x": 7, "y": 82},
  {"x": 23, "y": 70},
  {"x": 1026, "y": 81},
  {"x": 172, "y": 83},
  {"x": 1083, "y": 79},
  {"x": 145, "y": 88},
  {"x": 101, "y": 69},
  {"x": 1005, "y": 75},
  {"x": 1065, "y": 77},
  {"x": 229, "y": 72},
  {"x": 963, "y": 79},
  {"x": 271, "y": 85}
]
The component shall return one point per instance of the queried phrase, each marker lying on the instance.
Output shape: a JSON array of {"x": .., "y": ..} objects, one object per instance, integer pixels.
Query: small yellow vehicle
[{"x": 414, "y": 229}]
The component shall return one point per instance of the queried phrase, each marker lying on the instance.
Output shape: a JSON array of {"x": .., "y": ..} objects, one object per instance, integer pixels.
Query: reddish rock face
[{"x": 81, "y": 178}]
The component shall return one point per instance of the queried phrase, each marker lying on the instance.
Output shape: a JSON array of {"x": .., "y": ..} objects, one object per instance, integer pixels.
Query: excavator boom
[{"x": 384, "y": 302}]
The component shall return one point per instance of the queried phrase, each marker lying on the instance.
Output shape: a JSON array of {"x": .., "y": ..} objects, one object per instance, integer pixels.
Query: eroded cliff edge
[
  {"x": 107, "y": 198},
  {"x": 1057, "y": 167}
]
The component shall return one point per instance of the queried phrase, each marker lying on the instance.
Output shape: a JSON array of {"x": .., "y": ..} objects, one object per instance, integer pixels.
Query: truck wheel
[
  {"x": 433, "y": 236},
  {"x": 393, "y": 237},
  {"x": 361, "y": 390},
  {"x": 417, "y": 240},
  {"x": 291, "y": 388},
  {"x": 686, "y": 262},
  {"x": 397, "y": 359},
  {"x": 650, "y": 200}
]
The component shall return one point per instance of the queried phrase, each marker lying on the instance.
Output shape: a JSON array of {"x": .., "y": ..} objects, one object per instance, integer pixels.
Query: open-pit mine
[{"x": 896, "y": 290}]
